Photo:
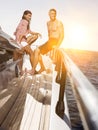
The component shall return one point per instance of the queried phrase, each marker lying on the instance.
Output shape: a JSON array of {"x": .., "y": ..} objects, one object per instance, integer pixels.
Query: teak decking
[
  {"x": 28, "y": 103},
  {"x": 31, "y": 109}
]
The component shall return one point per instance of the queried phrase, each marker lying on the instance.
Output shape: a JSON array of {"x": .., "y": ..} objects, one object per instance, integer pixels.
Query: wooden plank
[
  {"x": 47, "y": 103},
  {"x": 29, "y": 108},
  {"x": 7, "y": 98},
  {"x": 45, "y": 116},
  {"x": 9, "y": 121}
]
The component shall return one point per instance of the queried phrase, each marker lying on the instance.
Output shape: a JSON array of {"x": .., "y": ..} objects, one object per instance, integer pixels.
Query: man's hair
[{"x": 53, "y": 10}]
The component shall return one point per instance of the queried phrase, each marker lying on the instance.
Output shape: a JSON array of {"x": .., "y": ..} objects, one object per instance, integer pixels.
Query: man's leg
[
  {"x": 41, "y": 64},
  {"x": 36, "y": 59}
]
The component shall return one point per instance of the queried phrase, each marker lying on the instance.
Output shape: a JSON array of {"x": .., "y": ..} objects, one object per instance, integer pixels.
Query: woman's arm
[{"x": 35, "y": 33}]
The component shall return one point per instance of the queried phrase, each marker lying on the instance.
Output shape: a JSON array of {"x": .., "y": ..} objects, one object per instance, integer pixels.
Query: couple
[{"x": 25, "y": 37}]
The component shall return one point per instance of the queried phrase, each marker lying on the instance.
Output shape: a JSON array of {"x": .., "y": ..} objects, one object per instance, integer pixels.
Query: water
[{"x": 87, "y": 61}]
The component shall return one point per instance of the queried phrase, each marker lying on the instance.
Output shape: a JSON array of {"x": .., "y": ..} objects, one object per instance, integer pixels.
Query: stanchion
[{"x": 61, "y": 79}]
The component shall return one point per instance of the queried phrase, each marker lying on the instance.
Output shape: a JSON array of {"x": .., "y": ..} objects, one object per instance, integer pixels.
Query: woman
[{"x": 25, "y": 37}]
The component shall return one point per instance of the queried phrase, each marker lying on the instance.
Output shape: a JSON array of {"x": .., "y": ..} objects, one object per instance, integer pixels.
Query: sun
[{"x": 77, "y": 36}]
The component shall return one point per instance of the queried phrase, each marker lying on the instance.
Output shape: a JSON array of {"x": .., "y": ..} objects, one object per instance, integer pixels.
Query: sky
[{"x": 79, "y": 17}]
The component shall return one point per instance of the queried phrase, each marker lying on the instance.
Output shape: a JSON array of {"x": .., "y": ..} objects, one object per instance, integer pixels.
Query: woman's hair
[{"x": 25, "y": 13}]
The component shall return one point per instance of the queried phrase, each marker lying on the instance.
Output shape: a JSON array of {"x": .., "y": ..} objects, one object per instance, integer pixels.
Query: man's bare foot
[
  {"x": 48, "y": 71},
  {"x": 41, "y": 70},
  {"x": 22, "y": 72}
]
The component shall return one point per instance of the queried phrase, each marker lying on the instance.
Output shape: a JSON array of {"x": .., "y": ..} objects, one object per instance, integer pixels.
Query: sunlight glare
[{"x": 77, "y": 36}]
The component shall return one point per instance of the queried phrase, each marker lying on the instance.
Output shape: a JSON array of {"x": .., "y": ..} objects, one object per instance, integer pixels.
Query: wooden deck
[
  {"x": 29, "y": 102},
  {"x": 31, "y": 109}
]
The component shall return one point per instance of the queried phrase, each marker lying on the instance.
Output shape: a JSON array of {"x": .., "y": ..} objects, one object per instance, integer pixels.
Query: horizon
[{"x": 75, "y": 49}]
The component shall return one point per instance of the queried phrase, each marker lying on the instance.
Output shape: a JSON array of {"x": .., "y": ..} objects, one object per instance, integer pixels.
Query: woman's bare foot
[{"x": 32, "y": 72}]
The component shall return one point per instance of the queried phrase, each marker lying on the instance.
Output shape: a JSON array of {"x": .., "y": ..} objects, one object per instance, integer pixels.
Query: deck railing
[{"x": 85, "y": 93}]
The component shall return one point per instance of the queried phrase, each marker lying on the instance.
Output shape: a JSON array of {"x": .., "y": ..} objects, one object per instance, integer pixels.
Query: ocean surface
[{"x": 87, "y": 61}]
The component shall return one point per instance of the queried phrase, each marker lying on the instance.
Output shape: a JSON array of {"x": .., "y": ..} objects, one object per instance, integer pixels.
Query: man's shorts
[{"x": 48, "y": 46}]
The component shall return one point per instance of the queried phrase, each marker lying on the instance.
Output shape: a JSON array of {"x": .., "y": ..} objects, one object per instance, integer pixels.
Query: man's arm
[{"x": 61, "y": 32}]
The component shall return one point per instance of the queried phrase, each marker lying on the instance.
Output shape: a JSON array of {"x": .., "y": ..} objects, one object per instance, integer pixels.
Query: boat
[{"x": 39, "y": 102}]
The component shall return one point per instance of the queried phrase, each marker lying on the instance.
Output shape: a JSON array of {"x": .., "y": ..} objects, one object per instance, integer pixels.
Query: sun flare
[{"x": 77, "y": 36}]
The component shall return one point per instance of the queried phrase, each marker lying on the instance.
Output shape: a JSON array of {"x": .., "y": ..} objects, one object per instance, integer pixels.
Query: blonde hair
[{"x": 53, "y": 10}]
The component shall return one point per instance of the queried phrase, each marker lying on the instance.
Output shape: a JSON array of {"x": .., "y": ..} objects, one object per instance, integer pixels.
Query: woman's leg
[
  {"x": 29, "y": 51},
  {"x": 31, "y": 39}
]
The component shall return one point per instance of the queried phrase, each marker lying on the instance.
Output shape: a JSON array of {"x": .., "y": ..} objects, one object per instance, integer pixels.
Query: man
[{"x": 55, "y": 35}]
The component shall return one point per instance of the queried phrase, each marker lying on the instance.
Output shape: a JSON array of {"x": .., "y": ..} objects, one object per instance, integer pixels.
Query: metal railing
[{"x": 85, "y": 93}]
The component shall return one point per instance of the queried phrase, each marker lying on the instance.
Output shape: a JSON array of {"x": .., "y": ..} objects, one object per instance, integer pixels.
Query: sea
[{"x": 87, "y": 61}]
